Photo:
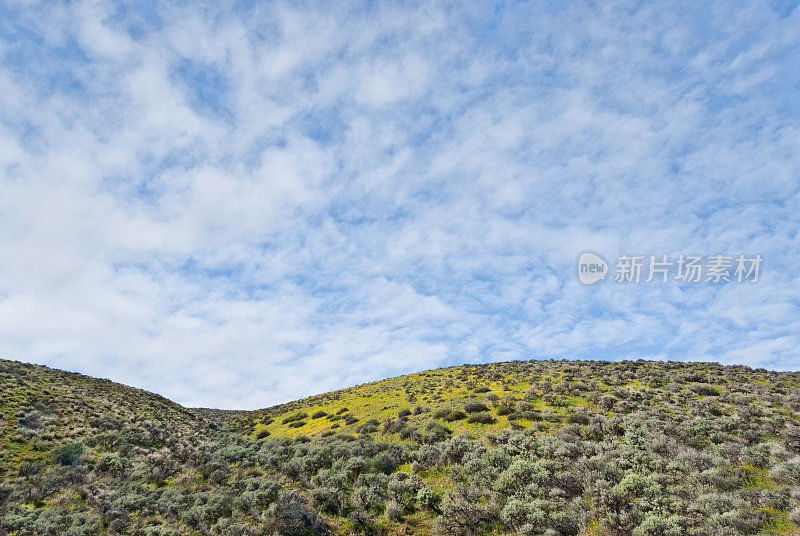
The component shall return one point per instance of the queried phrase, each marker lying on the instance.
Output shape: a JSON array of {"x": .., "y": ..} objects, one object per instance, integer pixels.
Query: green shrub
[
  {"x": 69, "y": 454},
  {"x": 456, "y": 415},
  {"x": 503, "y": 409},
  {"x": 329, "y": 499},
  {"x": 394, "y": 511},
  {"x": 475, "y": 407},
  {"x": 481, "y": 418},
  {"x": 435, "y": 432},
  {"x": 291, "y": 515},
  {"x": 392, "y": 426},
  {"x": 293, "y": 418},
  {"x": 703, "y": 389},
  {"x": 578, "y": 418},
  {"x": 441, "y": 413},
  {"x": 428, "y": 498}
]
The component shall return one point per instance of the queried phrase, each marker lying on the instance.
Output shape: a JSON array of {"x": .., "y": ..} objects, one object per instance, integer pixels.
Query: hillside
[
  {"x": 44, "y": 407},
  {"x": 479, "y": 399},
  {"x": 527, "y": 447}
]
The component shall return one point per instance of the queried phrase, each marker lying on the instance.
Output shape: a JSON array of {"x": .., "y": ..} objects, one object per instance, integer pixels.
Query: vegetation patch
[{"x": 568, "y": 448}]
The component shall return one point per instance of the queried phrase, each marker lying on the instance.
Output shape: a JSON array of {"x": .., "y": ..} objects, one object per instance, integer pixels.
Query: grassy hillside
[
  {"x": 538, "y": 448},
  {"x": 476, "y": 400},
  {"x": 43, "y": 407}
]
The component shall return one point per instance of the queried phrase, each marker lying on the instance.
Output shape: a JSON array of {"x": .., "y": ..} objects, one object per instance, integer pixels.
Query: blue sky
[{"x": 239, "y": 204}]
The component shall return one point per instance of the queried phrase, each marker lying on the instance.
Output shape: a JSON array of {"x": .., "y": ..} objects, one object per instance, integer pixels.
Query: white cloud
[{"x": 237, "y": 207}]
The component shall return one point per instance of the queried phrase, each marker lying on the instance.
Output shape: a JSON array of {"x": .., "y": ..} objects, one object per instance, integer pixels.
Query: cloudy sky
[{"x": 235, "y": 205}]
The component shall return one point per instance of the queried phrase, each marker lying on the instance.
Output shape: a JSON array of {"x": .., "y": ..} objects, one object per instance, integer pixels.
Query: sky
[{"x": 237, "y": 204}]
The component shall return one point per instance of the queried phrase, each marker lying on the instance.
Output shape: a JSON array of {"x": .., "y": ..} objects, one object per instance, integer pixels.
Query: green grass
[
  {"x": 779, "y": 525},
  {"x": 759, "y": 482},
  {"x": 448, "y": 388}
]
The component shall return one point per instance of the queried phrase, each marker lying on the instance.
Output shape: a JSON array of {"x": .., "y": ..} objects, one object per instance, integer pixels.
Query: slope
[
  {"x": 476, "y": 400},
  {"x": 530, "y": 448},
  {"x": 41, "y": 408}
]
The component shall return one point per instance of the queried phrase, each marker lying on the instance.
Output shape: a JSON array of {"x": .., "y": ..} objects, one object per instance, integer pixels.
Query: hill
[
  {"x": 44, "y": 407},
  {"x": 527, "y": 447},
  {"x": 480, "y": 399}
]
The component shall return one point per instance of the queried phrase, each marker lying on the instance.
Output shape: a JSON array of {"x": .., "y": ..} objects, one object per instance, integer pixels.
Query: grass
[
  {"x": 448, "y": 388},
  {"x": 779, "y": 525},
  {"x": 759, "y": 482}
]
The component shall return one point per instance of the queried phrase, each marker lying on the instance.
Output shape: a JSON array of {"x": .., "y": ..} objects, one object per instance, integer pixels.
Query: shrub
[
  {"x": 217, "y": 477},
  {"x": 532, "y": 515},
  {"x": 294, "y": 418},
  {"x": 607, "y": 402},
  {"x": 578, "y": 418},
  {"x": 319, "y": 415},
  {"x": 5, "y": 493},
  {"x": 428, "y": 498},
  {"x": 475, "y": 407},
  {"x": 554, "y": 400},
  {"x": 329, "y": 499},
  {"x": 68, "y": 454},
  {"x": 362, "y": 522},
  {"x": 481, "y": 418},
  {"x": 505, "y": 409},
  {"x": 402, "y": 489},
  {"x": 794, "y": 515},
  {"x": 455, "y": 416},
  {"x": 703, "y": 389},
  {"x": 262, "y": 433},
  {"x": 290, "y": 515},
  {"x": 435, "y": 432},
  {"x": 394, "y": 511},
  {"x": 370, "y": 491},
  {"x": 407, "y": 432},
  {"x": 463, "y": 513},
  {"x": 454, "y": 449},
  {"x": 403, "y": 413},
  {"x": 386, "y": 463},
  {"x": 297, "y": 424},
  {"x": 368, "y": 427},
  {"x": 659, "y": 526},
  {"x": 393, "y": 426},
  {"x": 479, "y": 390},
  {"x": 792, "y": 439},
  {"x": 524, "y": 405}
]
